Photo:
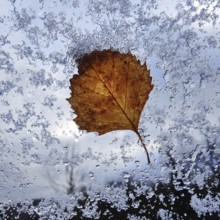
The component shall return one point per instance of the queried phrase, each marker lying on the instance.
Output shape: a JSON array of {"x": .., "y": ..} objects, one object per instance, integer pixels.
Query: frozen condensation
[{"x": 49, "y": 169}]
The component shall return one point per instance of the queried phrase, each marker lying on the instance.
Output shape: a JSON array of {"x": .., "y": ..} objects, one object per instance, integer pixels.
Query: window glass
[{"x": 52, "y": 169}]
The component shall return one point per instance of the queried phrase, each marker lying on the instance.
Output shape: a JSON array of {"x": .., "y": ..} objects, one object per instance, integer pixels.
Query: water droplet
[
  {"x": 91, "y": 175},
  {"x": 137, "y": 162}
]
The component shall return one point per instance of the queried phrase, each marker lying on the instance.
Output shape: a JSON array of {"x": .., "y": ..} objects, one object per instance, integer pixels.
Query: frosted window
[{"x": 49, "y": 169}]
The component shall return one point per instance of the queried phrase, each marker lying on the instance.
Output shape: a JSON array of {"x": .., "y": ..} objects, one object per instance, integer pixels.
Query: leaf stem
[{"x": 143, "y": 144}]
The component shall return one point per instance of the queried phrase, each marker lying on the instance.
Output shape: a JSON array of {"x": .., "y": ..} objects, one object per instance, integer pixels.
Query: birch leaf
[{"x": 110, "y": 92}]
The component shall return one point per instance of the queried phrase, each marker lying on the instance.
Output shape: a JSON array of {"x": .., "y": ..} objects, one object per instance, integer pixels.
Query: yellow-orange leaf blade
[{"x": 110, "y": 91}]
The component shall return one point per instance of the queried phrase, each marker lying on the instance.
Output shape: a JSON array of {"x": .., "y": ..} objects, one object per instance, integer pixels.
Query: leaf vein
[{"x": 93, "y": 107}]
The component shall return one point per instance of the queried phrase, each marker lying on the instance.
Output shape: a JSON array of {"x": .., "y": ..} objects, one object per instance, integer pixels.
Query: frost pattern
[{"x": 55, "y": 171}]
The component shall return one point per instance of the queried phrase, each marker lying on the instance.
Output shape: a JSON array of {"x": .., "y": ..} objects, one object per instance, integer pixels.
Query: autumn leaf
[{"x": 110, "y": 92}]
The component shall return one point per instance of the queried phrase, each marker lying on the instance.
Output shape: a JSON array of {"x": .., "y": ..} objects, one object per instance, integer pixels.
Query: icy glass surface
[{"x": 49, "y": 169}]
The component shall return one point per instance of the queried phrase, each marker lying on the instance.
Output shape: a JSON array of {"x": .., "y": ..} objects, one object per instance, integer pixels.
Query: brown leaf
[{"x": 110, "y": 92}]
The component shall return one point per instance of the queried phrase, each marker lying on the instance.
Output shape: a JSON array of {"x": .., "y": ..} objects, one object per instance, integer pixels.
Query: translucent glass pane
[{"x": 51, "y": 169}]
